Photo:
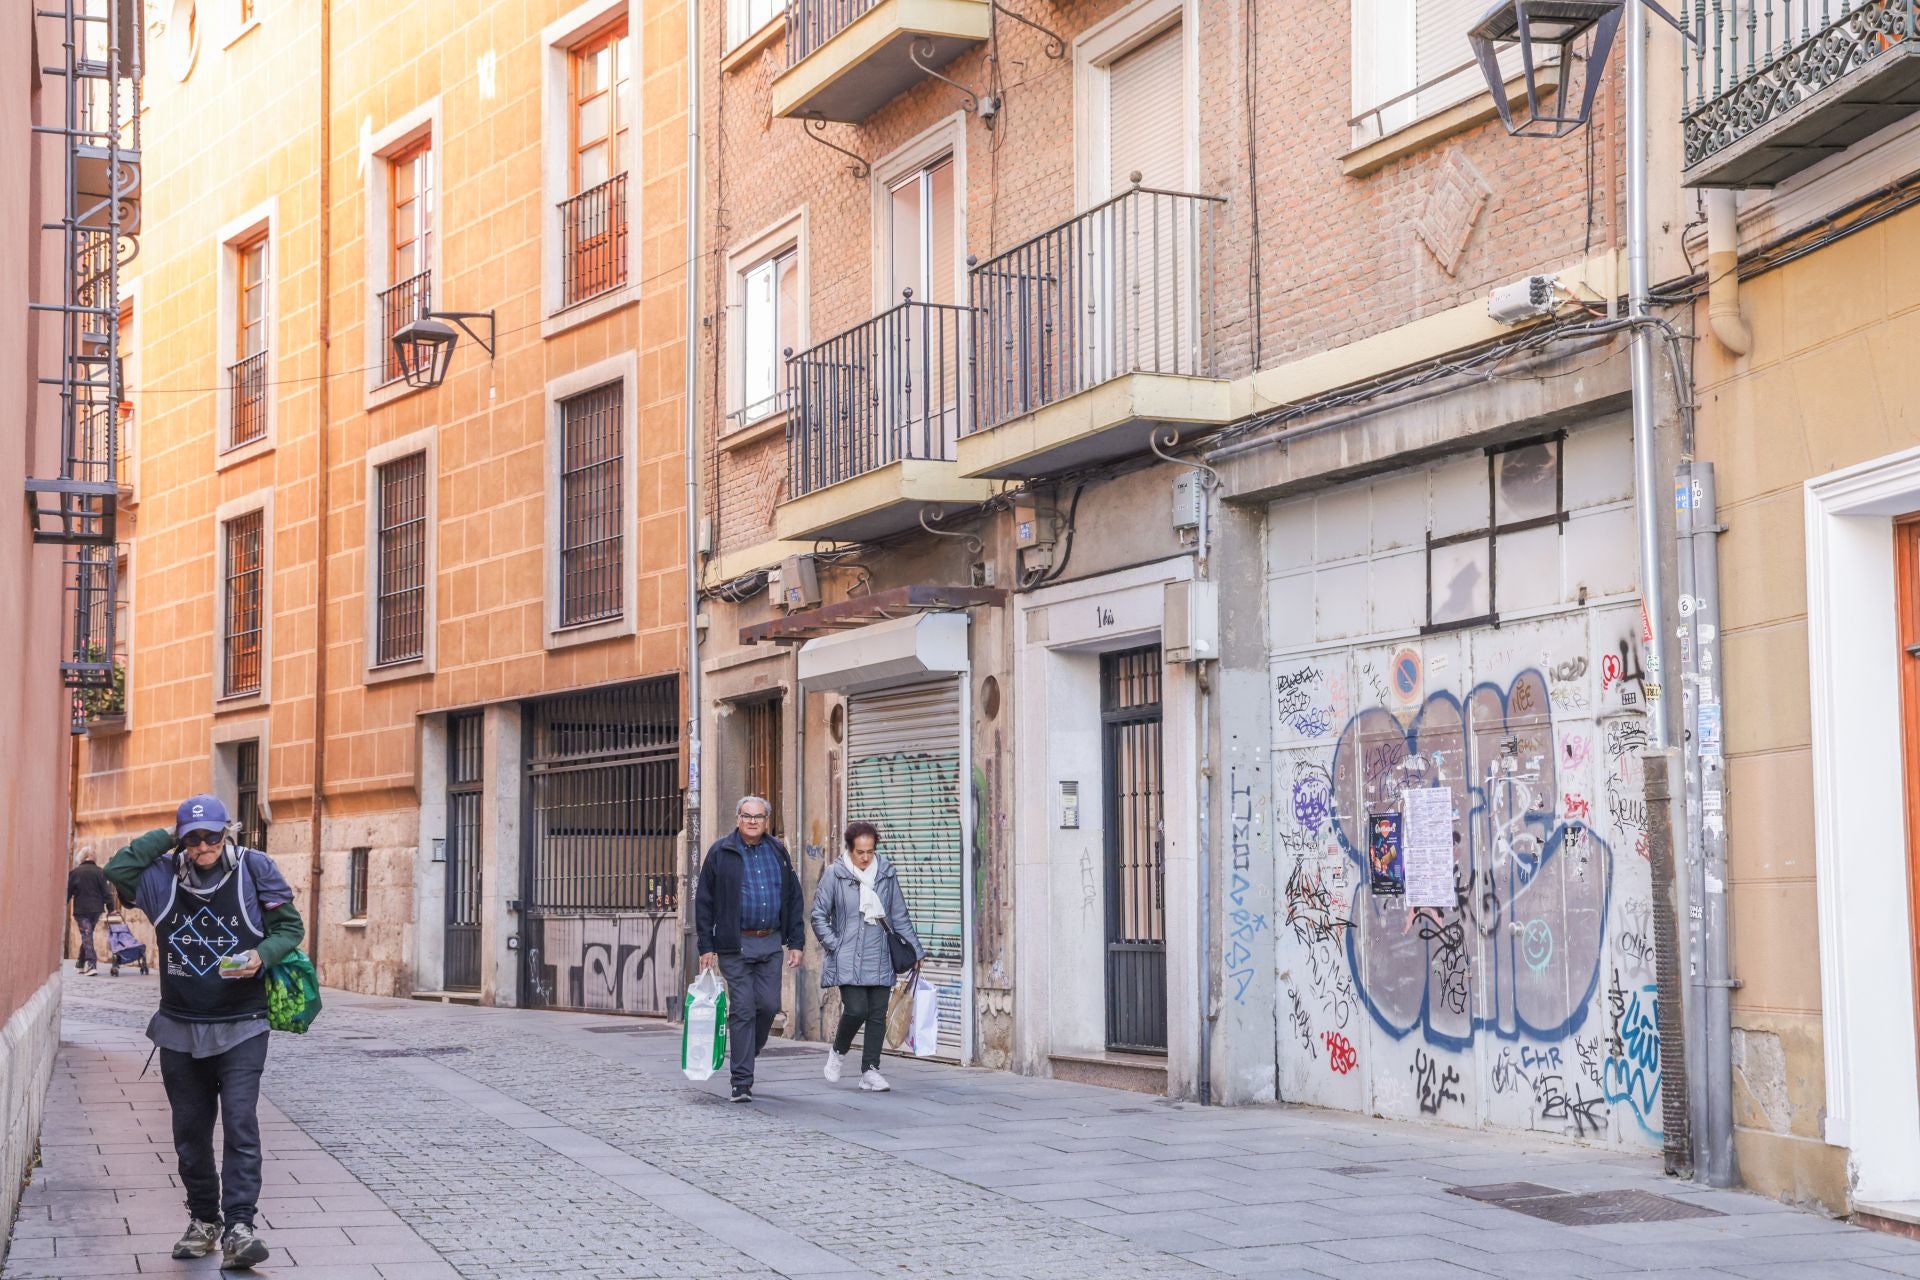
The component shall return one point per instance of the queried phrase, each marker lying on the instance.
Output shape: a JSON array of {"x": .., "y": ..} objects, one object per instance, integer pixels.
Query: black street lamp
[
  {"x": 1545, "y": 31},
  {"x": 424, "y": 347}
]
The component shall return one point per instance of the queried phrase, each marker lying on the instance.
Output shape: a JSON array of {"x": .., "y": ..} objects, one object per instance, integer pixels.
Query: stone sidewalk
[{"x": 414, "y": 1140}]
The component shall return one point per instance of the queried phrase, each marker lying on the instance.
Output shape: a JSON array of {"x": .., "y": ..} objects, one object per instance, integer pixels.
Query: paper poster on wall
[
  {"x": 1389, "y": 872},
  {"x": 1428, "y": 846}
]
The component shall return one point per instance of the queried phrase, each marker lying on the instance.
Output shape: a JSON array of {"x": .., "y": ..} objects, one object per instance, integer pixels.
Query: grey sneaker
[
  {"x": 240, "y": 1249},
  {"x": 199, "y": 1240}
]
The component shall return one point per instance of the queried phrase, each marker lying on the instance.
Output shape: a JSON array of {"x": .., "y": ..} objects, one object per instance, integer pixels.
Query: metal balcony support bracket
[
  {"x": 1056, "y": 46},
  {"x": 921, "y": 50},
  {"x": 974, "y": 545},
  {"x": 816, "y": 125}
]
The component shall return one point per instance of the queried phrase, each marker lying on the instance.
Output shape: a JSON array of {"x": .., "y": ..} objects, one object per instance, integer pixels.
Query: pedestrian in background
[
  {"x": 856, "y": 906},
  {"x": 747, "y": 911},
  {"x": 89, "y": 895},
  {"x": 222, "y": 916}
]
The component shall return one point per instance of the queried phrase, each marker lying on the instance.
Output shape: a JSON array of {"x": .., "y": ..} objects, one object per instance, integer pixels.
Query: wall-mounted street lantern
[
  {"x": 1546, "y": 33},
  {"x": 424, "y": 347}
]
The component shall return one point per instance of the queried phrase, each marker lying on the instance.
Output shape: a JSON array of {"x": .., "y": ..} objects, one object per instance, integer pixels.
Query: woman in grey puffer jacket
[{"x": 858, "y": 899}]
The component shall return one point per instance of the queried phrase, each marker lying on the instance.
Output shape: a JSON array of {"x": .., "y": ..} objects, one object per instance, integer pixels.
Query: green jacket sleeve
[
  {"x": 125, "y": 867},
  {"x": 285, "y": 929}
]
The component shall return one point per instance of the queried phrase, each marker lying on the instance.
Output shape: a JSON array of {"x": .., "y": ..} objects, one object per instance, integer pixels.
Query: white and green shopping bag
[{"x": 703, "y": 1028}]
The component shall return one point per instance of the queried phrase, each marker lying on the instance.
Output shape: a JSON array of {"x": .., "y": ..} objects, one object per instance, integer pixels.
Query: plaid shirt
[{"x": 760, "y": 887}]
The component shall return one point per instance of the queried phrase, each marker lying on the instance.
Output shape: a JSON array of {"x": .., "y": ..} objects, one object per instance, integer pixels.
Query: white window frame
[
  {"x": 130, "y": 382},
  {"x": 558, "y": 40},
  {"x": 788, "y": 233},
  {"x": 224, "y": 770},
  {"x": 237, "y": 26},
  {"x": 427, "y": 442},
  {"x": 1095, "y": 51},
  {"x": 261, "y": 220},
  {"x": 624, "y": 369},
  {"x": 375, "y": 156},
  {"x": 1385, "y": 65},
  {"x": 947, "y": 137},
  {"x": 261, "y": 501},
  {"x": 738, "y": 36}
]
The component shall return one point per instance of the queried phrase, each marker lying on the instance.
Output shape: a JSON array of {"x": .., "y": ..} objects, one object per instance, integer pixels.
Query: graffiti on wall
[
  {"x": 627, "y": 963},
  {"x": 1501, "y": 1006},
  {"x": 1245, "y": 923}
]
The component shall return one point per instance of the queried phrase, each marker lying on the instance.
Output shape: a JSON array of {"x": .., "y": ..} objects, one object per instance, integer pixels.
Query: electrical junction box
[
  {"x": 1189, "y": 497},
  {"x": 1534, "y": 298},
  {"x": 1032, "y": 523},
  {"x": 1190, "y": 622},
  {"x": 799, "y": 583}
]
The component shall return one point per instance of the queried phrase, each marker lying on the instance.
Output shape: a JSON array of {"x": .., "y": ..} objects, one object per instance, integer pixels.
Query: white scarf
[{"x": 870, "y": 909}]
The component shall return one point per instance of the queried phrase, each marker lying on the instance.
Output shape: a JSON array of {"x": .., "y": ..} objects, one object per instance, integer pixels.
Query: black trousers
[
  {"x": 227, "y": 1084},
  {"x": 863, "y": 1006}
]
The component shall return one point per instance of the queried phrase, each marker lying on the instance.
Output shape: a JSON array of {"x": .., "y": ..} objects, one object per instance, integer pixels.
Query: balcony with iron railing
[
  {"x": 593, "y": 232},
  {"x": 1093, "y": 335},
  {"x": 873, "y": 417},
  {"x": 394, "y": 307},
  {"x": 1775, "y": 86},
  {"x": 848, "y": 58}
]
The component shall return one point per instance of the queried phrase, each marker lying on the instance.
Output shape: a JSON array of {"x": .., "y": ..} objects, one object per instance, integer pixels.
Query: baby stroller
[{"x": 123, "y": 946}]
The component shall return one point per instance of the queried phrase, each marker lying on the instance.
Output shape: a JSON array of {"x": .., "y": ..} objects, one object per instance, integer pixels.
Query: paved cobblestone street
[{"x": 409, "y": 1140}]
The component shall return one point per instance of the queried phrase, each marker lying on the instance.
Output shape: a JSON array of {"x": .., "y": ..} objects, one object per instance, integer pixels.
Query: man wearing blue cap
[{"x": 223, "y": 915}]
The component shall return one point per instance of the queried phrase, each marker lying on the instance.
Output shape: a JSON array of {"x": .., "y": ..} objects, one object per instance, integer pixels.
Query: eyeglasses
[
  {"x": 753, "y": 817},
  {"x": 195, "y": 838}
]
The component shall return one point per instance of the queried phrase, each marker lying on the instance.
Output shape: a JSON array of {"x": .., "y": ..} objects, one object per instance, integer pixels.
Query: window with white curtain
[{"x": 1411, "y": 60}]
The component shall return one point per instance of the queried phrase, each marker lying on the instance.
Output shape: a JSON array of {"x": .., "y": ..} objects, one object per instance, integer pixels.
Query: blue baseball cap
[{"x": 200, "y": 813}]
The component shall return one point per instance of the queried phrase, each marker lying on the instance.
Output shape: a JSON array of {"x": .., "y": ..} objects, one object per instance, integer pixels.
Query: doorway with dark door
[
  {"x": 463, "y": 852},
  {"x": 1135, "y": 838}
]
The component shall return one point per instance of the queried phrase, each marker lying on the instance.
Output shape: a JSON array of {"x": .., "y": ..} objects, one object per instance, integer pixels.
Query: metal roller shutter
[{"x": 903, "y": 775}]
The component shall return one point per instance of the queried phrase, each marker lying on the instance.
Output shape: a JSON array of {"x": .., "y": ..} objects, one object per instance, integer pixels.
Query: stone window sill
[{"x": 1438, "y": 127}]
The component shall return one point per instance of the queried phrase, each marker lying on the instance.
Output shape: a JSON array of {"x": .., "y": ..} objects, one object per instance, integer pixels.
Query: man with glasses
[
  {"x": 746, "y": 914},
  {"x": 222, "y": 915}
]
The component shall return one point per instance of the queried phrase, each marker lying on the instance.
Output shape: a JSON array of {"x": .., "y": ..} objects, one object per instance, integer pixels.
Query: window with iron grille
[
  {"x": 761, "y": 721},
  {"x": 411, "y": 217},
  {"x": 242, "y": 620},
  {"x": 593, "y": 217},
  {"x": 246, "y": 786},
  {"x": 247, "y": 375},
  {"x": 591, "y": 550},
  {"x": 401, "y": 554},
  {"x": 357, "y": 882}
]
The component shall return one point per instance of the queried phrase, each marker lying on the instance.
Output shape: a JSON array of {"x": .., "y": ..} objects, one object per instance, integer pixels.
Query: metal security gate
[
  {"x": 904, "y": 776},
  {"x": 463, "y": 853},
  {"x": 1136, "y": 849},
  {"x": 599, "y": 928}
]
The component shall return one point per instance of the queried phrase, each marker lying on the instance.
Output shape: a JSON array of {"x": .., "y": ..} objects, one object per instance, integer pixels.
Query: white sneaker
[
  {"x": 875, "y": 1082},
  {"x": 834, "y": 1063}
]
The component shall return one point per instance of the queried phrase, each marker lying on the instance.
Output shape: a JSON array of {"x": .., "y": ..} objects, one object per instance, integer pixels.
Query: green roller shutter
[{"x": 903, "y": 776}]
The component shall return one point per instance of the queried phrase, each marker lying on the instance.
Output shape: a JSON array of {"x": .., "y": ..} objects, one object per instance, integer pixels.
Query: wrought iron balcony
[
  {"x": 399, "y": 305},
  {"x": 247, "y": 411},
  {"x": 593, "y": 229},
  {"x": 1123, "y": 291},
  {"x": 1776, "y": 86},
  {"x": 848, "y": 58},
  {"x": 891, "y": 391}
]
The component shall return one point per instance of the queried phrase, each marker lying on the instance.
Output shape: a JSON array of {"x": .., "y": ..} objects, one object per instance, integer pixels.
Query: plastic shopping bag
[
  {"x": 925, "y": 1038},
  {"x": 703, "y": 1027},
  {"x": 293, "y": 993}
]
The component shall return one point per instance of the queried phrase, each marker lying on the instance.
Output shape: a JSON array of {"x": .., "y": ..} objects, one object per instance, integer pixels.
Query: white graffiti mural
[{"x": 1528, "y": 1001}]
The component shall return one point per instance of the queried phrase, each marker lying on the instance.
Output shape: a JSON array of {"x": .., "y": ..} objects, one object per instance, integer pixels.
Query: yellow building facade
[{"x": 347, "y": 594}]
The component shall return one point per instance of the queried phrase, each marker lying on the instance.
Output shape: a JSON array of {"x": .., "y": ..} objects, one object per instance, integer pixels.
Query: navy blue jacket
[{"x": 716, "y": 901}]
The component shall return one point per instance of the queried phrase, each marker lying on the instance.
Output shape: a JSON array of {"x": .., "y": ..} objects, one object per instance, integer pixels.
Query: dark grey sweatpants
[{"x": 753, "y": 998}]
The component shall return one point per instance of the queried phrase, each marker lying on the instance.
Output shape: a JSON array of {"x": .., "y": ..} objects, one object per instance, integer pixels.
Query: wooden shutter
[
  {"x": 1146, "y": 115},
  {"x": 903, "y": 775}
]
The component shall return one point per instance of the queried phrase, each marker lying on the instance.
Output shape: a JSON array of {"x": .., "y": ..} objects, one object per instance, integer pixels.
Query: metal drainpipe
[
  {"x": 689, "y": 283},
  {"x": 1723, "y": 274},
  {"x": 1645, "y": 458},
  {"x": 1713, "y": 1141},
  {"x": 316, "y": 827}
]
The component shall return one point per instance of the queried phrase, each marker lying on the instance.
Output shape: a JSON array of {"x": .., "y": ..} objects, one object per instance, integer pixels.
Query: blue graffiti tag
[
  {"x": 1632, "y": 1073},
  {"x": 1529, "y": 923}
]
